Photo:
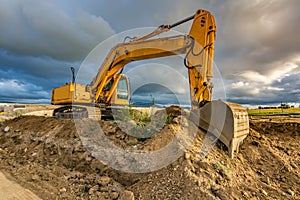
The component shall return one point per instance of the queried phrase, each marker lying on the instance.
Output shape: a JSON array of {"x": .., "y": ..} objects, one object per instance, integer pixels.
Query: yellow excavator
[{"x": 109, "y": 88}]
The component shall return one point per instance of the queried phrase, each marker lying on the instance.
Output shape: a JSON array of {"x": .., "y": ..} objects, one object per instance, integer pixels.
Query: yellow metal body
[
  {"x": 69, "y": 93},
  {"x": 74, "y": 93},
  {"x": 198, "y": 48}
]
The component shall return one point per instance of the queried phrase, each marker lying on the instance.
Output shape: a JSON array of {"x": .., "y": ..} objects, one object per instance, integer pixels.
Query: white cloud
[
  {"x": 9, "y": 89},
  {"x": 274, "y": 88},
  {"x": 239, "y": 84},
  {"x": 254, "y": 76},
  {"x": 273, "y": 75}
]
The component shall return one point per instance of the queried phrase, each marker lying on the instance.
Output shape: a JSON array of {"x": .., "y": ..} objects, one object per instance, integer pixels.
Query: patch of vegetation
[
  {"x": 223, "y": 170},
  {"x": 140, "y": 123},
  {"x": 19, "y": 113},
  {"x": 139, "y": 116},
  {"x": 84, "y": 189},
  {"x": 218, "y": 167},
  {"x": 143, "y": 132},
  {"x": 132, "y": 142},
  {"x": 274, "y": 111},
  {"x": 131, "y": 114},
  {"x": 169, "y": 119},
  {"x": 144, "y": 118}
]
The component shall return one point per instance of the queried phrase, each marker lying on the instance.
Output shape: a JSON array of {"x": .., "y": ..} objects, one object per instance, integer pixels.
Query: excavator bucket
[{"x": 228, "y": 122}]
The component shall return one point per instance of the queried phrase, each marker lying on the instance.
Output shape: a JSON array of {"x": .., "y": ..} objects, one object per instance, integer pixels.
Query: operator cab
[{"x": 122, "y": 94}]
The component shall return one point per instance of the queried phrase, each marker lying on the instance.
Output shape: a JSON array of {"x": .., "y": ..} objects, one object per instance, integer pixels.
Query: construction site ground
[{"x": 45, "y": 155}]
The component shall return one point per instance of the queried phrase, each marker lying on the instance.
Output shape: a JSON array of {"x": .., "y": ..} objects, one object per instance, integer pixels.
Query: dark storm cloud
[
  {"x": 153, "y": 88},
  {"x": 39, "y": 28},
  {"x": 39, "y": 67},
  {"x": 129, "y": 14},
  {"x": 39, "y": 41},
  {"x": 256, "y": 34},
  {"x": 36, "y": 76},
  {"x": 257, "y": 47}
]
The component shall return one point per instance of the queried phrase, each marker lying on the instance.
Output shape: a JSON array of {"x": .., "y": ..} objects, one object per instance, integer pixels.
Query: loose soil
[{"x": 46, "y": 156}]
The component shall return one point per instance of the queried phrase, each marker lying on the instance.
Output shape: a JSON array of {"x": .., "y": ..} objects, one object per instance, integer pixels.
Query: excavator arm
[{"x": 198, "y": 46}]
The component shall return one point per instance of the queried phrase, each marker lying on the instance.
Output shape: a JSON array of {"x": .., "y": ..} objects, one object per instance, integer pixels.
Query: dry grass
[{"x": 277, "y": 111}]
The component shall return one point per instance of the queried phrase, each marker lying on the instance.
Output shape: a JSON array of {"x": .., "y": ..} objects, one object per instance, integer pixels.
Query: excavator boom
[{"x": 198, "y": 46}]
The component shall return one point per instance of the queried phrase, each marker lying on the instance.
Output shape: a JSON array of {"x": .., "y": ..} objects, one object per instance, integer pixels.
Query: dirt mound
[
  {"x": 46, "y": 156},
  {"x": 286, "y": 128}
]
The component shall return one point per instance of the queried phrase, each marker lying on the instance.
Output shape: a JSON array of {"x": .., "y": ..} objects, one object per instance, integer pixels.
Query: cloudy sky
[{"x": 257, "y": 47}]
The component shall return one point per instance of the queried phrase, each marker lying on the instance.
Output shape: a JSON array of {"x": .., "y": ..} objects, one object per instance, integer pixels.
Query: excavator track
[
  {"x": 70, "y": 112},
  {"x": 77, "y": 112}
]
